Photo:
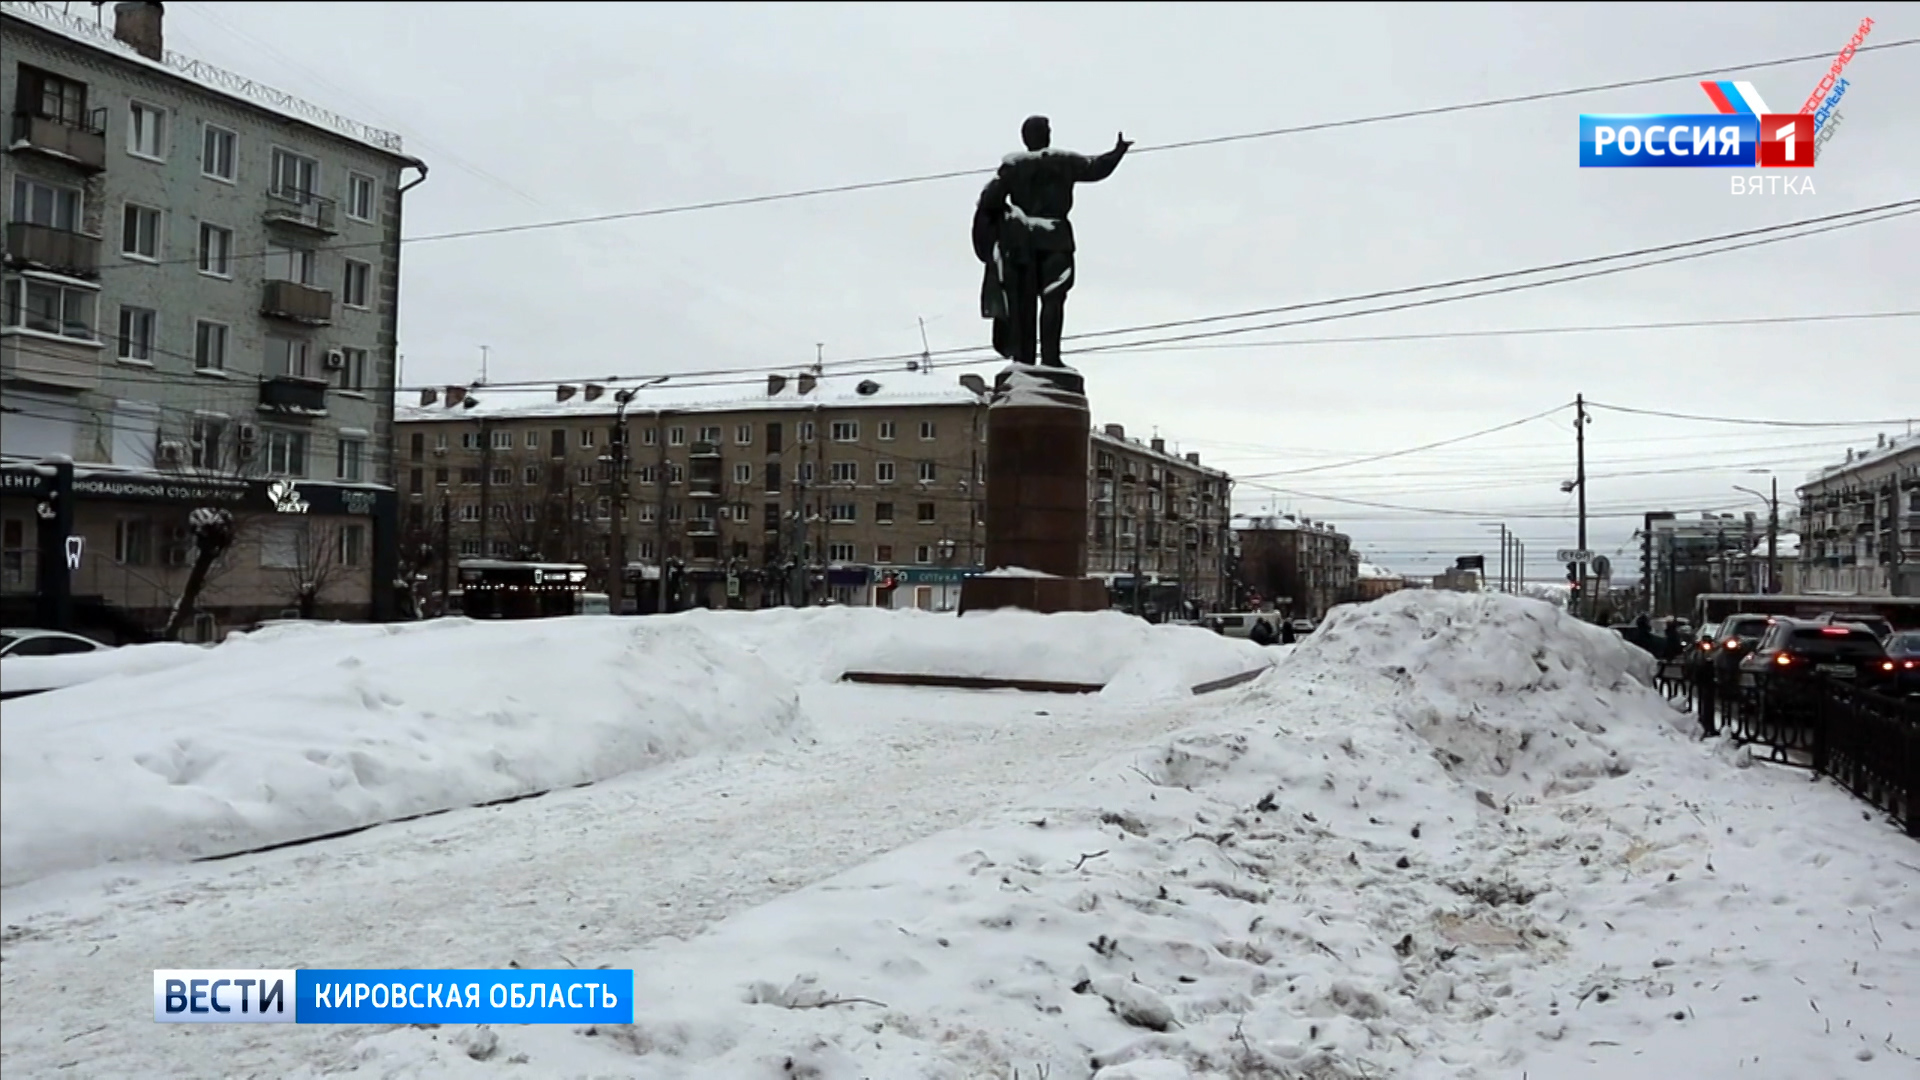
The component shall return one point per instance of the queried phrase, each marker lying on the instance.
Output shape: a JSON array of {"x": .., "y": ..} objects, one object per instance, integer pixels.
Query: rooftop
[
  {"x": 1282, "y": 523},
  {"x": 1886, "y": 447},
  {"x": 98, "y": 35},
  {"x": 1371, "y": 572},
  {"x": 601, "y": 399},
  {"x": 1115, "y": 435}
]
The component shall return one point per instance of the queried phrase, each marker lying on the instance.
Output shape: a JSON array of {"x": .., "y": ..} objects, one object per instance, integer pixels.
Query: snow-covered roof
[
  {"x": 1787, "y": 544},
  {"x": 1282, "y": 523},
  {"x": 599, "y": 399},
  {"x": 1860, "y": 459},
  {"x": 99, "y": 37},
  {"x": 1169, "y": 457},
  {"x": 1370, "y": 572}
]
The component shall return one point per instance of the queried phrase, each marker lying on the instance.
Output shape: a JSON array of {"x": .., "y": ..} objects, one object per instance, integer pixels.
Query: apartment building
[
  {"x": 1859, "y": 522},
  {"x": 1301, "y": 567},
  {"x": 1160, "y": 522},
  {"x": 200, "y": 295},
  {"x": 862, "y": 490}
]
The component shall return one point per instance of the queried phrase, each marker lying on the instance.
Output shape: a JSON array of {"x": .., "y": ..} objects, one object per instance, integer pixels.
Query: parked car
[
  {"x": 1795, "y": 654},
  {"x": 1738, "y": 636},
  {"x": 28, "y": 641}
]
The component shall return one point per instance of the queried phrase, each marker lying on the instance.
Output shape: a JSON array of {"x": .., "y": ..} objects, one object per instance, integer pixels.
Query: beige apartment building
[
  {"x": 798, "y": 489},
  {"x": 1161, "y": 519}
]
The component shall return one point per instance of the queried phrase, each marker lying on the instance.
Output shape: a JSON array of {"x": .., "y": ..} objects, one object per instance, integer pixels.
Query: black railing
[{"x": 1865, "y": 739}]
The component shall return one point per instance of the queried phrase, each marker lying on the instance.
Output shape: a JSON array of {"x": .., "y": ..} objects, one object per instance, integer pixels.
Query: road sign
[
  {"x": 1602, "y": 568},
  {"x": 1574, "y": 555}
]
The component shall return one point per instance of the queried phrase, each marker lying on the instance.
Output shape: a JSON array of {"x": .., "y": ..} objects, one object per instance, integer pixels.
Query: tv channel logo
[
  {"x": 1743, "y": 134},
  {"x": 224, "y": 996}
]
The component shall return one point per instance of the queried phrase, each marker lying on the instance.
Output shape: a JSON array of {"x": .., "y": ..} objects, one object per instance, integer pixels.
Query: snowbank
[
  {"x": 1132, "y": 658},
  {"x": 55, "y": 672},
  {"x": 1317, "y": 882},
  {"x": 301, "y": 730}
]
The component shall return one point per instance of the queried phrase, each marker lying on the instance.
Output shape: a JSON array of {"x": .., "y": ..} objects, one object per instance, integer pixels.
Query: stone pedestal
[{"x": 1036, "y": 513}]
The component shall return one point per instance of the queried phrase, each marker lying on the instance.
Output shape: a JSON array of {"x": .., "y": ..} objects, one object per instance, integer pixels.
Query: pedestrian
[
  {"x": 1676, "y": 647},
  {"x": 1261, "y": 633},
  {"x": 1286, "y": 632}
]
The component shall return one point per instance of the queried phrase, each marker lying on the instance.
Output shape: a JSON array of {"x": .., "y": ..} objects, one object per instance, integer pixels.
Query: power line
[
  {"x": 1749, "y": 421},
  {"x": 1409, "y": 450},
  {"x": 1830, "y": 222},
  {"x": 1216, "y": 140}
]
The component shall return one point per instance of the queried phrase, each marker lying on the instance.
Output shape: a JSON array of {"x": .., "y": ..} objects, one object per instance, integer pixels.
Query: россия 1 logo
[{"x": 1742, "y": 135}]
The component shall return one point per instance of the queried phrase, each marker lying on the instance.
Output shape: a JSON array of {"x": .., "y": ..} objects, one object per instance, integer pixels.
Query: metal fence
[{"x": 1867, "y": 741}]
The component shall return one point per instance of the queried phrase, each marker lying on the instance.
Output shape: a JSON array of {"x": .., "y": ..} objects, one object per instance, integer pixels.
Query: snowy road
[{"x": 547, "y": 882}]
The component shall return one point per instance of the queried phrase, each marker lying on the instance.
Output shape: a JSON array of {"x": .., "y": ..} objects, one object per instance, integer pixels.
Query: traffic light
[{"x": 1573, "y": 583}]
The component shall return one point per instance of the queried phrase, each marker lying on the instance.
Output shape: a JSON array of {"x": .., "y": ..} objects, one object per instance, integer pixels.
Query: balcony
[
  {"x": 59, "y": 250},
  {"x": 299, "y": 303},
  {"x": 292, "y": 393},
  {"x": 702, "y": 527},
  {"x": 704, "y": 487},
  {"x": 300, "y": 210},
  {"x": 50, "y": 360},
  {"x": 78, "y": 141},
  {"x": 704, "y": 449}
]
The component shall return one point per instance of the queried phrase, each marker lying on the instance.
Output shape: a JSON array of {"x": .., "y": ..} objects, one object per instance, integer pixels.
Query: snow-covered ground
[{"x": 1449, "y": 836}]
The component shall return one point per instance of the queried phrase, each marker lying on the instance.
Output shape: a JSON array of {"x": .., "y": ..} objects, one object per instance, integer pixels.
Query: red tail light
[
  {"x": 1887, "y": 665},
  {"x": 1908, "y": 664},
  {"x": 1783, "y": 659},
  {"x": 1837, "y": 631}
]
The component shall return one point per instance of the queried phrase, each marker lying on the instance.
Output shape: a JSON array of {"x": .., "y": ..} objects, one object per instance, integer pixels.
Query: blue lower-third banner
[{"x": 392, "y": 996}]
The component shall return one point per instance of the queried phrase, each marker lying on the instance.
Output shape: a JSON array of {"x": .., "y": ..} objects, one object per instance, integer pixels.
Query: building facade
[
  {"x": 1680, "y": 558},
  {"x": 201, "y": 297},
  {"x": 1859, "y": 523},
  {"x": 1371, "y": 581},
  {"x": 1302, "y": 568},
  {"x": 802, "y": 489},
  {"x": 1159, "y": 522}
]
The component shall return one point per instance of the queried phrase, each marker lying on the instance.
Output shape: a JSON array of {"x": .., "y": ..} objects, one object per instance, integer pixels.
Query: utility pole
[
  {"x": 486, "y": 481},
  {"x": 660, "y": 511},
  {"x": 617, "y": 577},
  {"x": 446, "y": 553},
  {"x": 1773, "y": 538},
  {"x": 1580, "y": 482}
]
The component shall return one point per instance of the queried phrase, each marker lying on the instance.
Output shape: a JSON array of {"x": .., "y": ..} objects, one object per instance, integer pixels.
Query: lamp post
[
  {"x": 1506, "y": 545},
  {"x": 1773, "y": 531}
]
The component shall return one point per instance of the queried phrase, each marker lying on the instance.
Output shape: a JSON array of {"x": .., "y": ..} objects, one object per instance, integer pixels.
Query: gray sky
[{"x": 539, "y": 112}]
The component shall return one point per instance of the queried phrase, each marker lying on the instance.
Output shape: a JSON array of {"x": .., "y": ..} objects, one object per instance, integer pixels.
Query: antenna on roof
[
  {"x": 819, "y": 351},
  {"x": 926, "y": 351},
  {"x": 484, "y": 350}
]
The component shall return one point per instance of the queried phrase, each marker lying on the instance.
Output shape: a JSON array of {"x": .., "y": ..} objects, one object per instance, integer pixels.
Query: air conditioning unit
[
  {"x": 336, "y": 359},
  {"x": 246, "y": 440},
  {"x": 170, "y": 454},
  {"x": 439, "y": 451}
]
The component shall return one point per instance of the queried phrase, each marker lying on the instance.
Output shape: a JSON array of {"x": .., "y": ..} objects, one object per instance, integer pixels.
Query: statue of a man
[{"x": 1021, "y": 233}]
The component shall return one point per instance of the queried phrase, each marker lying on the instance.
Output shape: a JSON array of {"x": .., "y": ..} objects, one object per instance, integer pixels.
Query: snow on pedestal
[{"x": 1025, "y": 386}]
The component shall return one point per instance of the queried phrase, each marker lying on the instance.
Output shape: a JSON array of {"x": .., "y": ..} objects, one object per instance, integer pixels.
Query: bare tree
[
  {"x": 221, "y": 460},
  {"x": 316, "y": 563}
]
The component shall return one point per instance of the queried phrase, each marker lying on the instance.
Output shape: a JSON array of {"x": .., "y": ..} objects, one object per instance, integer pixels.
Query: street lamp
[
  {"x": 1506, "y": 545},
  {"x": 1773, "y": 530}
]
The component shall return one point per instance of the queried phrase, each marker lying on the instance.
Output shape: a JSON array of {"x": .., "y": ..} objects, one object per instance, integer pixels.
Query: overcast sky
[{"x": 539, "y": 112}]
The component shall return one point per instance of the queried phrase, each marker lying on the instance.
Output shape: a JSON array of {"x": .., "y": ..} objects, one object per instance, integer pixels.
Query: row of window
[
  {"x": 215, "y": 445},
  {"x": 140, "y": 541},
  {"x": 771, "y": 517},
  {"x": 883, "y": 554},
  {"x": 839, "y": 431},
  {"x": 839, "y": 472}
]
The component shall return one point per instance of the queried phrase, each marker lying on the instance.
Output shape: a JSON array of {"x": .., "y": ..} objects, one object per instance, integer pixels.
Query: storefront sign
[
  {"x": 275, "y": 496},
  {"x": 75, "y": 545},
  {"x": 286, "y": 498}
]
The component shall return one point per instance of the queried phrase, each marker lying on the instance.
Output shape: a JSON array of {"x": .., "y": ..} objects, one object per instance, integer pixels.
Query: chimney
[
  {"x": 1883, "y": 440},
  {"x": 1159, "y": 444},
  {"x": 807, "y": 382},
  {"x": 775, "y": 384},
  {"x": 594, "y": 390},
  {"x": 1116, "y": 431},
  {"x": 455, "y": 395},
  {"x": 1193, "y": 457},
  {"x": 428, "y": 395},
  {"x": 564, "y": 392},
  {"x": 138, "y": 25}
]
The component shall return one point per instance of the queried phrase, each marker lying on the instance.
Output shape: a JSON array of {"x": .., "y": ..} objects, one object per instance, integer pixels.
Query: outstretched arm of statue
[{"x": 1096, "y": 169}]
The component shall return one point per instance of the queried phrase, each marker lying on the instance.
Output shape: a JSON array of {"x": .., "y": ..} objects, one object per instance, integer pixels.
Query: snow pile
[
  {"x": 1308, "y": 883},
  {"x": 1132, "y": 658},
  {"x": 303, "y": 730},
  {"x": 55, "y": 672},
  {"x": 1511, "y": 693}
]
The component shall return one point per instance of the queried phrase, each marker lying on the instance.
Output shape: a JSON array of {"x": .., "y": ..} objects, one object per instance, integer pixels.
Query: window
[
  {"x": 603, "y": 508},
  {"x": 771, "y": 474},
  {"x": 741, "y": 512},
  {"x": 529, "y": 511},
  {"x": 146, "y": 131},
  {"x": 133, "y": 541},
  {"x": 286, "y": 453},
  {"x": 883, "y": 472},
  {"x": 356, "y": 288},
  {"x": 360, "y": 190},
  {"x": 583, "y": 474},
  {"x": 353, "y": 373},
  {"x": 840, "y": 553},
  {"x": 206, "y": 440},
  {"x": 927, "y": 472},
  {"x": 38, "y": 203},
  {"x": 417, "y": 482},
  {"x": 675, "y": 474},
  {"x": 530, "y": 474},
  {"x": 291, "y": 357},
  {"x": 469, "y": 440},
  {"x": 923, "y": 553},
  {"x": 886, "y": 431},
  {"x": 140, "y": 233},
  {"x": 352, "y": 453},
  {"x": 298, "y": 265},
  {"x": 217, "y": 146},
  {"x": 50, "y": 308},
  {"x": 883, "y": 553},
  {"x": 586, "y": 438},
  {"x": 503, "y": 440},
  {"x": 136, "y": 333},
  {"x": 926, "y": 429},
  {"x": 353, "y": 545},
  {"x": 843, "y": 512},
  {"x": 883, "y": 513},
  {"x": 58, "y": 98},
  {"x": 806, "y": 431},
  {"x": 743, "y": 435},
  {"x": 926, "y": 513},
  {"x": 773, "y": 438},
  {"x": 844, "y": 472},
  {"x": 844, "y": 431},
  {"x": 295, "y": 177},
  {"x": 806, "y": 472},
  {"x": 216, "y": 250},
  {"x": 209, "y": 346},
  {"x": 709, "y": 435},
  {"x": 649, "y": 436},
  {"x": 503, "y": 475},
  {"x": 440, "y": 475},
  {"x": 743, "y": 473},
  {"x": 676, "y": 436}
]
